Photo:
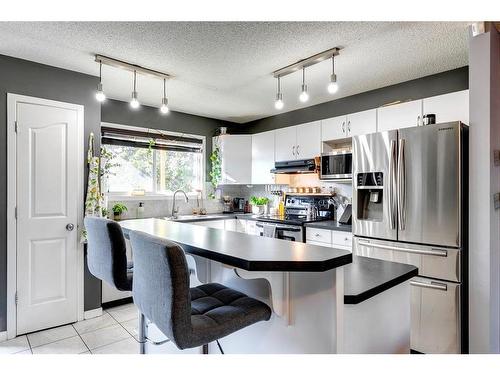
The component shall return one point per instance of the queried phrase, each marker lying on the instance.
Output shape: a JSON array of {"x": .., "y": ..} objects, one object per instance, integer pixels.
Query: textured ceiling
[{"x": 223, "y": 69}]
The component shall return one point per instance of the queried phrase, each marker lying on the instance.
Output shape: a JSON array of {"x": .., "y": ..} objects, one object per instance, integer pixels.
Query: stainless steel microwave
[{"x": 336, "y": 165}]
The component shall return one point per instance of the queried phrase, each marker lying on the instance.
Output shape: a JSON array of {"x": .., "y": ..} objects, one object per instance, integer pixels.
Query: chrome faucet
[{"x": 174, "y": 210}]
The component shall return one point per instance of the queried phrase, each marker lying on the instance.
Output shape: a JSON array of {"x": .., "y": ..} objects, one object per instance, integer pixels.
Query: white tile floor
[{"x": 115, "y": 332}]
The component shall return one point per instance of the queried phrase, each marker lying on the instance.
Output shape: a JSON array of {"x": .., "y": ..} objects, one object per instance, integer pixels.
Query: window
[{"x": 155, "y": 162}]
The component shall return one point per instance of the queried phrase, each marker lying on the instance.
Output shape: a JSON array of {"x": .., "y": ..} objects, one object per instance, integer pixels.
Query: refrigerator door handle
[
  {"x": 431, "y": 285},
  {"x": 392, "y": 185},
  {"x": 401, "y": 185},
  {"x": 436, "y": 252}
]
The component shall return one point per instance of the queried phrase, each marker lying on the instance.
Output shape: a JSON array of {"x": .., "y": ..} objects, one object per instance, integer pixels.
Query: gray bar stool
[
  {"x": 107, "y": 253},
  {"x": 189, "y": 317}
]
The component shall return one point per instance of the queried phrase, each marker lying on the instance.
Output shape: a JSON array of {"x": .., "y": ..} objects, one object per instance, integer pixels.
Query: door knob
[{"x": 70, "y": 227}]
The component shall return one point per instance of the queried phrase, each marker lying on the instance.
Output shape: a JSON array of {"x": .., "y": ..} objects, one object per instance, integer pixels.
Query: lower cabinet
[{"x": 329, "y": 238}]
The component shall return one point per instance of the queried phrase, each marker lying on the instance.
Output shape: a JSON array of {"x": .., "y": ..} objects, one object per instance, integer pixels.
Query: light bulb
[
  {"x": 134, "y": 103},
  {"x": 100, "y": 96},
  {"x": 304, "y": 96},
  {"x": 333, "y": 87},
  {"x": 164, "y": 106},
  {"x": 278, "y": 103}
]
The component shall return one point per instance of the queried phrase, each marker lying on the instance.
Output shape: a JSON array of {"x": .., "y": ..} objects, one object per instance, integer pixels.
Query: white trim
[
  {"x": 3, "y": 336},
  {"x": 12, "y": 100},
  {"x": 92, "y": 313}
]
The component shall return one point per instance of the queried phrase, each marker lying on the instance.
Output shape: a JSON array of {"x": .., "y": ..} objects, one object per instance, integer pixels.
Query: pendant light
[
  {"x": 333, "y": 86},
  {"x": 164, "y": 101},
  {"x": 304, "y": 96},
  {"x": 134, "y": 102},
  {"x": 99, "y": 95},
  {"x": 278, "y": 103}
]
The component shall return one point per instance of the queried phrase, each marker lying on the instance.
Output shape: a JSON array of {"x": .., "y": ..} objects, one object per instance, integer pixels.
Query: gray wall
[
  {"x": 28, "y": 78},
  {"x": 119, "y": 112},
  {"x": 437, "y": 84},
  {"x": 484, "y": 181}
]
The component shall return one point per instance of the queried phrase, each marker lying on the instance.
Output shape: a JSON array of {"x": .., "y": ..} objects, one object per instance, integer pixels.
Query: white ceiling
[{"x": 223, "y": 69}]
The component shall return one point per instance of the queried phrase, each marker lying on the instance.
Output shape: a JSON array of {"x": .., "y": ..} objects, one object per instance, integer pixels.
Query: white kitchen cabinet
[
  {"x": 241, "y": 225},
  {"x": 251, "y": 227},
  {"x": 329, "y": 238},
  {"x": 308, "y": 140},
  {"x": 285, "y": 143},
  {"x": 217, "y": 224},
  {"x": 360, "y": 123},
  {"x": 364, "y": 122},
  {"x": 397, "y": 116},
  {"x": 317, "y": 243},
  {"x": 448, "y": 107},
  {"x": 236, "y": 159},
  {"x": 298, "y": 142},
  {"x": 230, "y": 224},
  {"x": 334, "y": 128},
  {"x": 263, "y": 158}
]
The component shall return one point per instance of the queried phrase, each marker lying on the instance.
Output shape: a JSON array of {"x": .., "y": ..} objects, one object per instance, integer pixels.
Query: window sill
[{"x": 147, "y": 197}]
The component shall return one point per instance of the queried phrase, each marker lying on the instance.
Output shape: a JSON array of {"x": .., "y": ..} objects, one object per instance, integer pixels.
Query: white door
[
  {"x": 399, "y": 116},
  {"x": 48, "y": 202},
  {"x": 449, "y": 107},
  {"x": 308, "y": 140},
  {"x": 334, "y": 128},
  {"x": 263, "y": 158},
  {"x": 360, "y": 123},
  {"x": 286, "y": 143}
]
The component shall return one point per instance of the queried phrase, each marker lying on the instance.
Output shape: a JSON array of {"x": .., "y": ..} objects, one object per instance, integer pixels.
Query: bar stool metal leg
[{"x": 142, "y": 333}]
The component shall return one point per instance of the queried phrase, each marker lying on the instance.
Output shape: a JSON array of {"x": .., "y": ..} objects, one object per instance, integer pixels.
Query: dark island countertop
[
  {"x": 248, "y": 252},
  {"x": 366, "y": 277},
  {"x": 329, "y": 225}
]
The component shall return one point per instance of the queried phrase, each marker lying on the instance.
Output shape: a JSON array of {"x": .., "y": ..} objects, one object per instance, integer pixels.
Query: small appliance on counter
[
  {"x": 238, "y": 204},
  {"x": 228, "y": 205}
]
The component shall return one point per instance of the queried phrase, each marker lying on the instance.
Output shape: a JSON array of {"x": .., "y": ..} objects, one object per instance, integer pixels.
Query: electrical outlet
[
  {"x": 496, "y": 158},
  {"x": 496, "y": 200}
]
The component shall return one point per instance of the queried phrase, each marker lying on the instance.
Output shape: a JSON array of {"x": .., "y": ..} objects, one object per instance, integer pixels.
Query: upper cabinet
[
  {"x": 358, "y": 123},
  {"x": 364, "y": 122},
  {"x": 298, "y": 142},
  {"x": 236, "y": 158},
  {"x": 404, "y": 115},
  {"x": 448, "y": 107},
  {"x": 263, "y": 158}
]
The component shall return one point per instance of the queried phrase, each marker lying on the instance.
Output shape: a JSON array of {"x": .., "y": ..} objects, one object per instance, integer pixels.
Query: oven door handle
[{"x": 281, "y": 228}]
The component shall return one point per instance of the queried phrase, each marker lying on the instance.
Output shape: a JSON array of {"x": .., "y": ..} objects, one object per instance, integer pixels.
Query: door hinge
[
  {"x": 16, "y": 299},
  {"x": 15, "y": 126},
  {"x": 15, "y": 212}
]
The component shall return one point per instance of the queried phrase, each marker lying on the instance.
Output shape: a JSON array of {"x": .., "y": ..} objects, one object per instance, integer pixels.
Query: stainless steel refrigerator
[{"x": 410, "y": 206}]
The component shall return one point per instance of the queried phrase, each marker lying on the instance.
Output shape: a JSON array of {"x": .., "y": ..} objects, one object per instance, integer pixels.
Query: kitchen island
[{"x": 303, "y": 283}]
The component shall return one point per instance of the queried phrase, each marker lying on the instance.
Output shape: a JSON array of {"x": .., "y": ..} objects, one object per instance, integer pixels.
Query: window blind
[{"x": 145, "y": 139}]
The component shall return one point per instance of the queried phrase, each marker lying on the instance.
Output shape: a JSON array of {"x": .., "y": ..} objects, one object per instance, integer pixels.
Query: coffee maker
[{"x": 238, "y": 204}]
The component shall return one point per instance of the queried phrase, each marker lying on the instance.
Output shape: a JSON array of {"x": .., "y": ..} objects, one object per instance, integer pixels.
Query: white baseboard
[
  {"x": 3, "y": 336},
  {"x": 92, "y": 313}
]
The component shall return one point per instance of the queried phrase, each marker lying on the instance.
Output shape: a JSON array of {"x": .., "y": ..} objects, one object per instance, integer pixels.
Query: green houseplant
[
  {"x": 259, "y": 205},
  {"x": 118, "y": 209},
  {"x": 215, "y": 173}
]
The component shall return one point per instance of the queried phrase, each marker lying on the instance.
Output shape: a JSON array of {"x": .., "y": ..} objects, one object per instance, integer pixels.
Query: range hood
[{"x": 294, "y": 166}]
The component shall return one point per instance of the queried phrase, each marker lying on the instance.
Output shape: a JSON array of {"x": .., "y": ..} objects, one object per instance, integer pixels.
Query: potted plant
[
  {"x": 259, "y": 205},
  {"x": 118, "y": 209}
]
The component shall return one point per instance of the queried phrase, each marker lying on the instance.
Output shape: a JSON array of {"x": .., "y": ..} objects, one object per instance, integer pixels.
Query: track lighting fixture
[
  {"x": 304, "y": 96},
  {"x": 134, "y": 102},
  {"x": 302, "y": 65},
  {"x": 99, "y": 95},
  {"x": 333, "y": 86},
  {"x": 278, "y": 103},
  {"x": 164, "y": 101}
]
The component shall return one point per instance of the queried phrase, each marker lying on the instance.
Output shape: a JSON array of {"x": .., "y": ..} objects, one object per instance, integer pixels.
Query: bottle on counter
[
  {"x": 140, "y": 210},
  {"x": 281, "y": 208},
  {"x": 246, "y": 208}
]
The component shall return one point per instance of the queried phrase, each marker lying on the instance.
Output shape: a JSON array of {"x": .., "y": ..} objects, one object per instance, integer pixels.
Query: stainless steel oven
[
  {"x": 336, "y": 165},
  {"x": 280, "y": 231}
]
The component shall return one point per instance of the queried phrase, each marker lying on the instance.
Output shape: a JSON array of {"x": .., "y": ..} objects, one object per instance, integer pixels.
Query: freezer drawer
[
  {"x": 432, "y": 261},
  {"x": 435, "y": 316}
]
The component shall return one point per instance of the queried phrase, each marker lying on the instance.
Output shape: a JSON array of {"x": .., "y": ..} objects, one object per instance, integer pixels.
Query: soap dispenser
[{"x": 140, "y": 210}]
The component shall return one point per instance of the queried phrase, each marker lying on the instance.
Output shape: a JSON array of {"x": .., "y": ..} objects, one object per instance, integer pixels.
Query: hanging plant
[
  {"x": 215, "y": 173},
  {"x": 151, "y": 143}
]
